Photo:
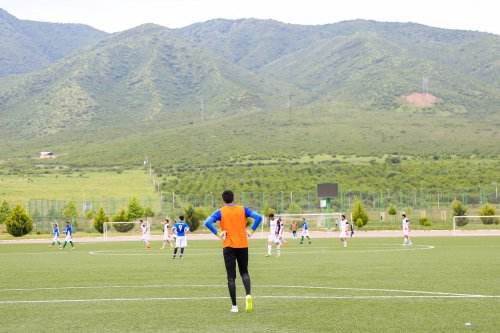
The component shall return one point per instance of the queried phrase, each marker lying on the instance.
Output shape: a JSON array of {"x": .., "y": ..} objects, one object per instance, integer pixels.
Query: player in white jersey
[
  {"x": 344, "y": 230},
  {"x": 273, "y": 238},
  {"x": 405, "y": 225},
  {"x": 166, "y": 235},
  {"x": 145, "y": 234}
]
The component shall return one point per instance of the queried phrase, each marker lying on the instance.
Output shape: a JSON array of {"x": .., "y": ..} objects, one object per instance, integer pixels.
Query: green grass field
[
  {"x": 375, "y": 285},
  {"x": 76, "y": 186}
]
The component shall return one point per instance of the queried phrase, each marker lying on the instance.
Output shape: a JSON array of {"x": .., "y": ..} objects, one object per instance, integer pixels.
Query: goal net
[
  {"x": 476, "y": 223},
  {"x": 132, "y": 229},
  {"x": 326, "y": 221}
]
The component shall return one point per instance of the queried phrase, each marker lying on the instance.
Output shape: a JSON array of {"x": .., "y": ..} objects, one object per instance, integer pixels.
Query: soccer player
[
  {"x": 234, "y": 235},
  {"x": 145, "y": 235},
  {"x": 294, "y": 229},
  {"x": 69, "y": 233},
  {"x": 305, "y": 231},
  {"x": 55, "y": 232},
  {"x": 344, "y": 229},
  {"x": 180, "y": 229},
  {"x": 166, "y": 235},
  {"x": 405, "y": 225},
  {"x": 274, "y": 235}
]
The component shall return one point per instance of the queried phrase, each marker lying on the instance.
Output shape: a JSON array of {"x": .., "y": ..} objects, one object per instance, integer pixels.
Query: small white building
[{"x": 47, "y": 154}]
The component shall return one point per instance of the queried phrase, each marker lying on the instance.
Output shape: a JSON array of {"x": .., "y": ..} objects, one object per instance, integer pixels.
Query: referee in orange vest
[{"x": 234, "y": 235}]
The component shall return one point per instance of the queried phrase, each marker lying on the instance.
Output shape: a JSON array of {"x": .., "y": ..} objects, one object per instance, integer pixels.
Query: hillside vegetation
[{"x": 250, "y": 99}]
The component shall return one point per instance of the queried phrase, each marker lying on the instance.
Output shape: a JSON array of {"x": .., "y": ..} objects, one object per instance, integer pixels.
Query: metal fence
[{"x": 433, "y": 204}]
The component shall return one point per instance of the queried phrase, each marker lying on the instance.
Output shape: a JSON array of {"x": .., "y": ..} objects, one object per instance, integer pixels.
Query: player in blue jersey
[
  {"x": 55, "y": 232},
  {"x": 68, "y": 232},
  {"x": 180, "y": 229},
  {"x": 305, "y": 231}
]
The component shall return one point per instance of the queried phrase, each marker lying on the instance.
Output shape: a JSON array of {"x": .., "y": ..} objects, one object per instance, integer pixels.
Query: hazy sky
[{"x": 118, "y": 15}]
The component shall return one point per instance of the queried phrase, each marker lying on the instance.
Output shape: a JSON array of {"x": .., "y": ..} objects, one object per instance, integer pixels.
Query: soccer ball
[{"x": 148, "y": 245}]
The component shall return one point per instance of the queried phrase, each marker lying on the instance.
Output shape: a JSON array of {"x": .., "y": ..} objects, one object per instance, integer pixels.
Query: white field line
[
  {"x": 257, "y": 297},
  {"x": 306, "y": 251},
  {"x": 432, "y": 293}
]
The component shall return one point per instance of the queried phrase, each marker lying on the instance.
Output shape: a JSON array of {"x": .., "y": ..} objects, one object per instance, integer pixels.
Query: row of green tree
[{"x": 19, "y": 223}]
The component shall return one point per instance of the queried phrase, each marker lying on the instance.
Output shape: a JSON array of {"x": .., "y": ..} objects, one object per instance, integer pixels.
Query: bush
[
  {"x": 122, "y": 216},
  {"x": 458, "y": 209},
  {"x": 425, "y": 222},
  {"x": 99, "y": 219},
  {"x": 18, "y": 223},
  {"x": 4, "y": 211},
  {"x": 193, "y": 217},
  {"x": 359, "y": 212},
  {"x": 135, "y": 210},
  {"x": 359, "y": 223},
  {"x": 488, "y": 210}
]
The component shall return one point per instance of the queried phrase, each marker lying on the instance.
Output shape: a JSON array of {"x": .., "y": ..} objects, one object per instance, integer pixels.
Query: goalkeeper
[{"x": 234, "y": 235}]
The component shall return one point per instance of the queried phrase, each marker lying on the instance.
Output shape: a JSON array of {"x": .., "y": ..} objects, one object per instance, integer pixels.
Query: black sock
[
  {"x": 231, "y": 285},
  {"x": 182, "y": 251},
  {"x": 246, "y": 282}
]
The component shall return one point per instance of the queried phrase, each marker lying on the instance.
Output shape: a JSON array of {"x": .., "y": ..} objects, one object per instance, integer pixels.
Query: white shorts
[
  {"x": 305, "y": 233},
  {"x": 343, "y": 234},
  {"x": 406, "y": 232},
  {"x": 181, "y": 241},
  {"x": 273, "y": 239},
  {"x": 145, "y": 238},
  {"x": 68, "y": 238},
  {"x": 55, "y": 239},
  {"x": 166, "y": 237}
]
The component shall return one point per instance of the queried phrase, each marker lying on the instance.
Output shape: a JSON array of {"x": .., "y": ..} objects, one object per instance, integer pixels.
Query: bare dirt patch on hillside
[{"x": 421, "y": 100}]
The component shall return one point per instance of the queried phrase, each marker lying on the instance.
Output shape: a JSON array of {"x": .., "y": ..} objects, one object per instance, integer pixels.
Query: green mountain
[
  {"x": 27, "y": 46},
  {"x": 272, "y": 93},
  {"x": 367, "y": 61},
  {"x": 142, "y": 77}
]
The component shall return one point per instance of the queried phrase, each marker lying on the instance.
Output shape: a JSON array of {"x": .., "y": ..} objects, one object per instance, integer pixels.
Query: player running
[
  {"x": 180, "y": 229},
  {"x": 145, "y": 234},
  {"x": 55, "y": 232},
  {"x": 166, "y": 235},
  {"x": 344, "y": 230},
  {"x": 405, "y": 225},
  {"x": 69, "y": 233},
  {"x": 305, "y": 231}
]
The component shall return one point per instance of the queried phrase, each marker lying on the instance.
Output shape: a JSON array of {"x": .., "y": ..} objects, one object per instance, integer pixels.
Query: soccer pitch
[{"x": 440, "y": 284}]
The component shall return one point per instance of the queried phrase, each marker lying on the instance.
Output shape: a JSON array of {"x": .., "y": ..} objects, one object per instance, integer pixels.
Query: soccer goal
[
  {"x": 476, "y": 223},
  {"x": 132, "y": 229},
  {"x": 326, "y": 221}
]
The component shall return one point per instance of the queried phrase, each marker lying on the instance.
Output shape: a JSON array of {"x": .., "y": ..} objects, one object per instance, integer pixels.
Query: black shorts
[{"x": 233, "y": 256}]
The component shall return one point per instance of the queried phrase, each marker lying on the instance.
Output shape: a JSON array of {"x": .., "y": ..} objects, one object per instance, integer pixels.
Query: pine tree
[
  {"x": 4, "y": 211},
  {"x": 18, "y": 223},
  {"x": 359, "y": 212}
]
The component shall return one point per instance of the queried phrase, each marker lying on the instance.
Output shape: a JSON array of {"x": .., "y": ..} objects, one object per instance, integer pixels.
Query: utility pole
[
  {"x": 202, "y": 111},
  {"x": 290, "y": 105}
]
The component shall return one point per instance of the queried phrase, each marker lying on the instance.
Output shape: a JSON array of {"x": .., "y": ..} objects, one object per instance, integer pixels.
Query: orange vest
[{"x": 234, "y": 221}]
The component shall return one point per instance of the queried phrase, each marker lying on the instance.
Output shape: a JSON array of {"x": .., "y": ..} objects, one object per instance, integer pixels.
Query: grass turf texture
[{"x": 138, "y": 288}]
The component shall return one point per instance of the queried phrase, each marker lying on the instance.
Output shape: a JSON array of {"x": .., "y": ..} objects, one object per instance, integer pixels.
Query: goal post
[
  {"x": 132, "y": 228},
  {"x": 326, "y": 221},
  {"x": 478, "y": 222}
]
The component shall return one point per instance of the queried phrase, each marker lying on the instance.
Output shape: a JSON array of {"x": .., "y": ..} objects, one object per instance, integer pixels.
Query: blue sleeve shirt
[
  {"x": 56, "y": 231},
  {"x": 217, "y": 215},
  {"x": 69, "y": 231},
  {"x": 181, "y": 228}
]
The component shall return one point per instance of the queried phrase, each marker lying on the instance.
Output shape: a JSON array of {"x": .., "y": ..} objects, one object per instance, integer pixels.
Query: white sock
[
  {"x": 269, "y": 247},
  {"x": 278, "y": 249}
]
